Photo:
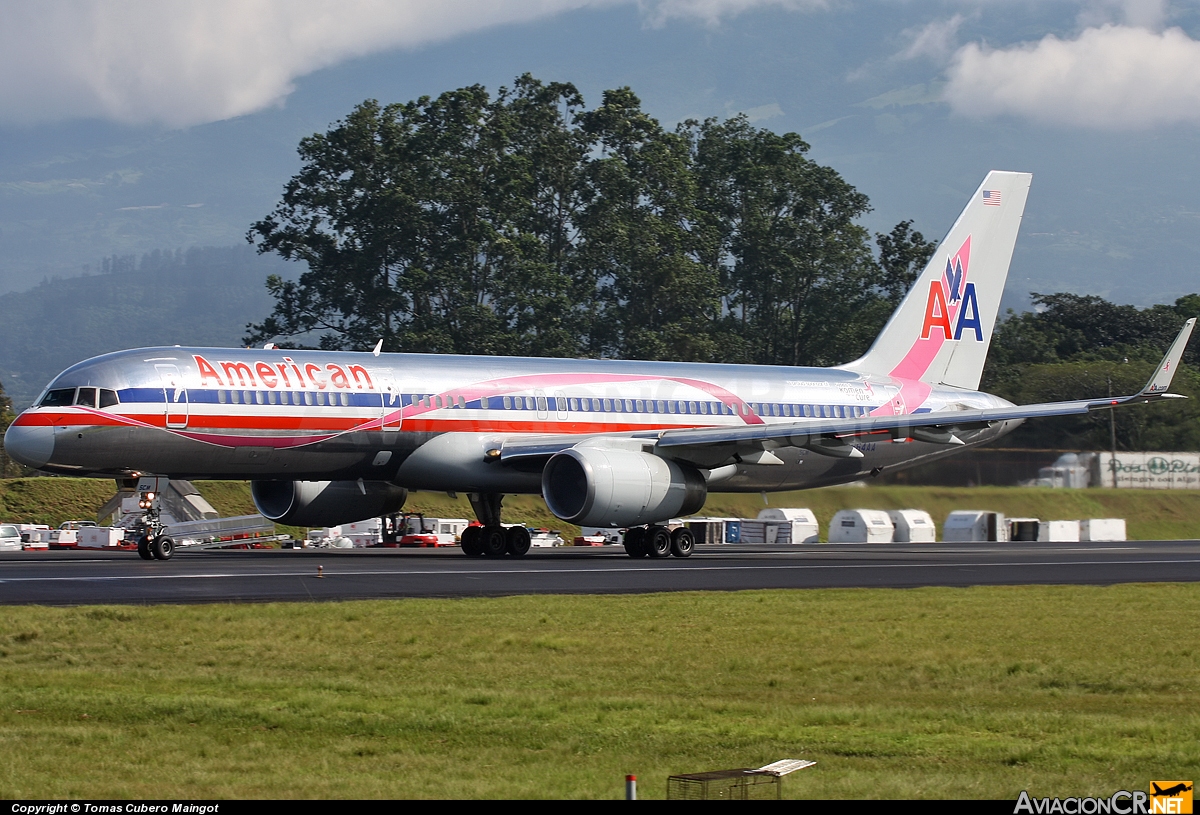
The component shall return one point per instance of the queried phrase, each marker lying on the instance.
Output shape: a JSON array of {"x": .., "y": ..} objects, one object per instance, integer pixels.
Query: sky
[{"x": 139, "y": 125}]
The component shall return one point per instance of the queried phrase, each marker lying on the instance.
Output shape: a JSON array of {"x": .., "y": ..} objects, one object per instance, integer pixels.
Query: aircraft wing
[{"x": 707, "y": 446}]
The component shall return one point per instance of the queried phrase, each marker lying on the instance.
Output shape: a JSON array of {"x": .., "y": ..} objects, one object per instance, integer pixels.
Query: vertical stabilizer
[{"x": 941, "y": 332}]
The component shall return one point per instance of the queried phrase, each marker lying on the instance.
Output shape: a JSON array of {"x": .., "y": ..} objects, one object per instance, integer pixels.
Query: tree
[
  {"x": 528, "y": 224},
  {"x": 440, "y": 225},
  {"x": 641, "y": 240},
  {"x": 1076, "y": 347},
  {"x": 800, "y": 284},
  {"x": 8, "y": 467}
]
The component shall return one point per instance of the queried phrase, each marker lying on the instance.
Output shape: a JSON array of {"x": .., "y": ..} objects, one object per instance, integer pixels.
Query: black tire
[
  {"x": 494, "y": 541},
  {"x": 472, "y": 541},
  {"x": 658, "y": 541},
  {"x": 516, "y": 541},
  {"x": 163, "y": 548},
  {"x": 683, "y": 542},
  {"x": 143, "y": 544},
  {"x": 635, "y": 542}
]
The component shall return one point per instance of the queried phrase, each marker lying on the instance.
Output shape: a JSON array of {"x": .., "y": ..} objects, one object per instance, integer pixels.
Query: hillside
[
  {"x": 197, "y": 297},
  {"x": 1150, "y": 514}
]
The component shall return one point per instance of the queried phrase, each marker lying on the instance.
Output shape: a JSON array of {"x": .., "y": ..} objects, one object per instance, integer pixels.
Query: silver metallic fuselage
[{"x": 427, "y": 421}]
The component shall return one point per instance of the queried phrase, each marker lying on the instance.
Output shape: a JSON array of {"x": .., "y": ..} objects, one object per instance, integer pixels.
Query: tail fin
[{"x": 941, "y": 332}]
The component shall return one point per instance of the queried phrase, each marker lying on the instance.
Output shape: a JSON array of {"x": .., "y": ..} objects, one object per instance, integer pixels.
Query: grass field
[
  {"x": 1150, "y": 514},
  {"x": 926, "y": 693}
]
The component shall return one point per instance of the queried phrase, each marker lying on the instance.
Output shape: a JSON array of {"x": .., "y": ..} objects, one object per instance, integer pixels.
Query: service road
[{"x": 85, "y": 577}]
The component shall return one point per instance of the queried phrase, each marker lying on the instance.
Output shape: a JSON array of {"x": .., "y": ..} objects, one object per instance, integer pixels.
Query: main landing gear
[
  {"x": 658, "y": 541},
  {"x": 492, "y": 539}
]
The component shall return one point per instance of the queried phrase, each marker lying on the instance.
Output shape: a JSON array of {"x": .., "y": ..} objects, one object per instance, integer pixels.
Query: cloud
[
  {"x": 935, "y": 41},
  {"x": 1140, "y": 13},
  {"x": 712, "y": 11},
  {"x": 183, "y": 63},
  {"x": 194, "y": 61},
  {"x": 1113, "y": 77}
]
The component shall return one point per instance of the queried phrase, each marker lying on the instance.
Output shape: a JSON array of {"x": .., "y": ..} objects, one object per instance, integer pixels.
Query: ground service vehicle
[{"x": 333, "y": 437}]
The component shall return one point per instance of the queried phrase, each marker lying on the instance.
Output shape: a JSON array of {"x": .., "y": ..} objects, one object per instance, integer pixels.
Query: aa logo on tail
[
  {"x": 952, "y": 306},
  {"x": 1170, "y": 797}
]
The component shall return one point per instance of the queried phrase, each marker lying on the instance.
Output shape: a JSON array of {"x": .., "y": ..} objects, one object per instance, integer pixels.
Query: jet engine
[
  {"x": 325, "y": 503},
  {"x": 613, "y": 487}
]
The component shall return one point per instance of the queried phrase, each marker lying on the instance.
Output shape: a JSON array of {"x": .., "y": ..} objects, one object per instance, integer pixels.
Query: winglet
[
  {"x": 378, "y": 347},
  {"x": 1161, "y": 380}
]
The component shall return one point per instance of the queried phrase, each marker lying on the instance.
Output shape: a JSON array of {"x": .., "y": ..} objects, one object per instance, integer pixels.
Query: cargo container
[
  {"x": 912, "y": 526},
  {"x": 974, "y": 525},
  {"x": 861, "y": 526}
]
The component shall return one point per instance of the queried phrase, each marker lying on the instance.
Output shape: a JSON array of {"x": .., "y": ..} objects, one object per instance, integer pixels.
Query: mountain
[{"x": 202, "y": 296}]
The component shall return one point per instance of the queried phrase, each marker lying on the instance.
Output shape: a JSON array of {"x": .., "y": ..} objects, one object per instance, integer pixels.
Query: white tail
[{"x": 941, "y": 332}]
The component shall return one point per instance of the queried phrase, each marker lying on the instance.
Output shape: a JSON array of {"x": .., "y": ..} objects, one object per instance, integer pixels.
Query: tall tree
[
  {"x": 798, "y": 270},
  {"x": 526, "y": 223},
  {"x": 640, "y": 237}
]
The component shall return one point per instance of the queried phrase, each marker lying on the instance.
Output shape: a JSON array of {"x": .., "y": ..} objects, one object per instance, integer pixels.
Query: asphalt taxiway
[{"x": 85, "y": 577}]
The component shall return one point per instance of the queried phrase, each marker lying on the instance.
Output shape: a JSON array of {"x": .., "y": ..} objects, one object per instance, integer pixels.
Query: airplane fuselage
[{"x": 428, "y": 421}]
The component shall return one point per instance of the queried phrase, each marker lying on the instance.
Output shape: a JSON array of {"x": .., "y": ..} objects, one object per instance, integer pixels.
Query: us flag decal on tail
[{"x": 991, "y": 198}]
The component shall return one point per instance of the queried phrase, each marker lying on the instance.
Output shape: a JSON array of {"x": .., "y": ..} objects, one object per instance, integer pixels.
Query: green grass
[{"x": 954, "y": 693}]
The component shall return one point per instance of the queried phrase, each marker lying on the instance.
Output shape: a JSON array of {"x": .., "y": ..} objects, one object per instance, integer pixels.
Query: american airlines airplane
[{"x": 333, "y": 437}]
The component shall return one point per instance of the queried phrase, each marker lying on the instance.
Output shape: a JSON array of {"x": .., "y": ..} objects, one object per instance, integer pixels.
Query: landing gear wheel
[
  {"x": 516, "y": 540},
  {"x": 658, "y": 541},
  {"x": 635, "y": 542},
  {"x": 682, "y": 542},
  {"x": 143, "y": 544},
  {"x": 162, "y": 548},
  {"x": 472, "y": 541},
  {"x": 494, "y": 541}
]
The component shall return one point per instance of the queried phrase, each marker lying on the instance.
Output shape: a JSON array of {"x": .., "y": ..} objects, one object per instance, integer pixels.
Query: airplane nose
[{"x": 31, "y": 445}]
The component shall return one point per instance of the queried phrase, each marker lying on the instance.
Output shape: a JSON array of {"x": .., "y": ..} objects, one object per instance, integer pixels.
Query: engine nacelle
[
  {"x": 611, "y": 487},
  {"x": 325, "y": 503}
]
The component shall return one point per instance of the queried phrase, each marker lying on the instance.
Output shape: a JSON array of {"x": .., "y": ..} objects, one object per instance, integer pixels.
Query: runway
[{"x": 86, "y": 577}]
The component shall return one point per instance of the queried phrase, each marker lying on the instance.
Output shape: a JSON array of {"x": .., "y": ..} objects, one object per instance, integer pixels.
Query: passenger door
[{"x": 175, "y": 396}]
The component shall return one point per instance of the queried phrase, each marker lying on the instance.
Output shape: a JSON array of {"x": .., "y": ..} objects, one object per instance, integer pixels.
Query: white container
[
  {"x": 793, "y": 525},
  {"x": 861, "y": 526},
  {"x": 912, "y": 526},
  {"x": 973, "y": 526},
  {"x": 1058, "y": 531},
  {"x": 1102, "y": 529},
  {"x": 100, "y": 537}
]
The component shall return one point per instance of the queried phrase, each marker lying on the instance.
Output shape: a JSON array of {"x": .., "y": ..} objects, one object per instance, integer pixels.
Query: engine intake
[
  {"x": 610, "y": 487},
  {"x": 325, "y": 503}
]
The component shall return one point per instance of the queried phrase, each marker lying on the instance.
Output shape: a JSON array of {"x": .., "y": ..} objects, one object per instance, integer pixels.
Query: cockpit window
[
  {"x": 108, "y": 398},
  {"x": 86, "y": 397},
  {"x": 59, "y": 397}
]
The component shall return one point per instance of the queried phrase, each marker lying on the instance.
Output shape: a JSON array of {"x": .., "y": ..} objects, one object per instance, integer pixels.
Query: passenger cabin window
[
  {"x": 86, "y": 397},
  {"x": 58, "y": 398},
  {"x": 108, "y": 398}
]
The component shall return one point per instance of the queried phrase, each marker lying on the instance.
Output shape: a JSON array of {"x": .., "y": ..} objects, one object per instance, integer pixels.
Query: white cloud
[
  {"x": 183, "y": 63},
  {"x": 1141, "y": 13},
  {"x": 935, "y": 41},
  {"x": 712, "y": 11},
  {"x": 194, "y": 61},
  {"x": 1111, "y": 77}
]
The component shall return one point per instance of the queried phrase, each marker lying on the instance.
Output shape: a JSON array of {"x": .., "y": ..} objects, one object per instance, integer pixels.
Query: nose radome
[{"x": 31, "y": 445}]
